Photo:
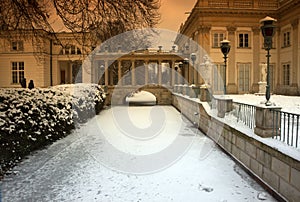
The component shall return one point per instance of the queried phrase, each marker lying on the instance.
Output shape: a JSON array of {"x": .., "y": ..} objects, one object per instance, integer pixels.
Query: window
[
  {"x": 17, "y": 72},
  {"x": 244, "y": 77},
  {"x": 17, "y": 46},
  {"x": 286, "y": 39},
  {"x": 217, "y": 38},
  {"x": 286, "y": 74},
  {"x": 243, "y": 40},
  {"x": 70, "y": 49}
]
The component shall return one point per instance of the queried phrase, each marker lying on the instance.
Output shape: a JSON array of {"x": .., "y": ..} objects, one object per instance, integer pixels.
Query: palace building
[
  {"x": 51, "y": 60},
  {"x": 40, "y": 58},
  {"x": 212, "y": 21}
]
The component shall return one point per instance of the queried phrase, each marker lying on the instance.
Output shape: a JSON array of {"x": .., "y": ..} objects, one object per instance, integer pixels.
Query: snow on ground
[
  {"x": 288, "y": 103},
  {"x": 89, "y": 166},
  {"x": 141, "y": 97}
]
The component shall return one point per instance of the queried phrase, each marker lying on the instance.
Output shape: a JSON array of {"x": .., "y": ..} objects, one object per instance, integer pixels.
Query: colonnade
[{"x": 137, "y": 72}]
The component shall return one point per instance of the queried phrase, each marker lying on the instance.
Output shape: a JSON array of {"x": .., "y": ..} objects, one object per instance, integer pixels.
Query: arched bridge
[{"x": 116, "y": 95}]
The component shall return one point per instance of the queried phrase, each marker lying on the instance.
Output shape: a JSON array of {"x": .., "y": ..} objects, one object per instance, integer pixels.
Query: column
[
  {"x": 277, "y": 73},
  {"x": 111, "y": 76},
  {"x": 191, "y": 72},
  {"x": 120, "y": 82},
  {"x": 133, "y": 72},
  {"x": 204, "y": 37},
  {"x": 159, "y": 72},
  {"x": 94, "y": 71},
  {"x": 231, "y": 67},
  {"x": 256, "y": 67},
  {"x": 146, "y": 72},
  {"x": 186, "y": 73},
  {"x": 106, "y": 73},
  {"x": 195, "y": 73},
  {"x": 173, "y": 73},
  {"x": 295, "y": 61}
]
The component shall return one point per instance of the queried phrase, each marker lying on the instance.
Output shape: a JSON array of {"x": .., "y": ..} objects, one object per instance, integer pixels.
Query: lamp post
[
  {"x": 268, "y": 31},
  {"x": 225, "y": 48},
  {"x": 193, "y": 58}
]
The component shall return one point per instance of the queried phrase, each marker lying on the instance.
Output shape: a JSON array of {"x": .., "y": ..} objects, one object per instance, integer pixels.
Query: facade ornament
[
  {"x": 231, "y": 29},
  {"x": 206, "y": 70},
  {"x": 263, "y": 72}
]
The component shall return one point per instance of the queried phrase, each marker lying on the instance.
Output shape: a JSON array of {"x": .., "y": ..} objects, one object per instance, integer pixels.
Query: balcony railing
[
  {"x": 265, "y": 4},
  {"x": 286, "y": 127},
  {"x": 245, "y": 113}
]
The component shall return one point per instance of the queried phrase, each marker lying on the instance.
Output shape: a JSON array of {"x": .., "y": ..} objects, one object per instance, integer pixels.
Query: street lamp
[
  {"x": 268, "y": 31},
  {"x": 225, "y": 48},
  {"x": 193, "y": 58}
]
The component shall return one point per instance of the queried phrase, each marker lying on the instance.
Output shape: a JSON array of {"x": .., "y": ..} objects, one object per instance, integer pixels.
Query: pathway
[{"x": 155, "y": 154}]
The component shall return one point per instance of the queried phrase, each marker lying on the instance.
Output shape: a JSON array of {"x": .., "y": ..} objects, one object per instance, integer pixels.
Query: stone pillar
[
  {"x": 94, "y": 71},
  {"x": 231, "y": 68},
  {"x": 195, "y": 73},
  {"x": 256, "y": 66},
  {"x": 173, "y": 73},
  {"x": 159, "y": 72},
  {"x": 295, "y": 46},
  {"x": 111, "y": 75},
  {"x": 191, "y": 72},
  {"x": 186, "y": 73},
  {"x": 106, "y": 72},
  {"x": 265, "y": 120},
  {"x": 133, "y": 72},
  {"x": 119, "y": 73},
  {"x": 146, "y": 72},
  {"x": 224, "y": 105},
  {"x": 204, "y": 95}
]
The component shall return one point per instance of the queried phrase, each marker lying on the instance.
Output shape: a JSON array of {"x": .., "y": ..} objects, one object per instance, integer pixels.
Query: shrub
[{"x": 31, "y": 119}]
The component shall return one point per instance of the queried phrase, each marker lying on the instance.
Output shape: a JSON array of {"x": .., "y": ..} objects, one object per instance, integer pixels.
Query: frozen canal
[{"x": 132, "y": 154}]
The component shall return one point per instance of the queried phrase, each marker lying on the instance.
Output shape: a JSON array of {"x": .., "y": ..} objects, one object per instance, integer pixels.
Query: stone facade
[
  {"x": 211, "y": 21},
  {"x": 40, "y": 59}
]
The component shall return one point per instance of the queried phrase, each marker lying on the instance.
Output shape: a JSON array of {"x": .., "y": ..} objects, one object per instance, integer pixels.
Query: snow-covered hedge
[{"x": 30, "y": 119}]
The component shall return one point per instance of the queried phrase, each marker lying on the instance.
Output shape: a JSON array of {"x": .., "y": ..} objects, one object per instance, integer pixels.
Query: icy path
[{"x": 76, "y": 168}]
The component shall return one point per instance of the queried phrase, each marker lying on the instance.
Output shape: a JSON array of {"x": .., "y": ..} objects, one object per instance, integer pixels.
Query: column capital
[
  {"x": 231, "y": 29},
  {"x": 295, "y": 23},
  {"x": 204, "y": 28}
]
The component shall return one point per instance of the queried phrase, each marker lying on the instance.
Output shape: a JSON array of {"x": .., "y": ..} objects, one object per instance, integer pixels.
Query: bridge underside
[{"x": 116, "y": 95}]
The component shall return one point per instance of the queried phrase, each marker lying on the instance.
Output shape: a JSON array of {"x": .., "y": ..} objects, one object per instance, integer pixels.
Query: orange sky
[{"x": 172, "y": 13}]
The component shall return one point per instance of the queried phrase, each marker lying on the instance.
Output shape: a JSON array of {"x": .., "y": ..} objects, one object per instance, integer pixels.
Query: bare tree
[{"x": 95, "y": 20}]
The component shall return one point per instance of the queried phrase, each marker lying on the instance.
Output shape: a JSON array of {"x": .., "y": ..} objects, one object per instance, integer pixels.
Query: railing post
[
  {"x": 264, "y": 120},
  {"x": 204, "y": 94},
  {"x": 223, "y": 105}
]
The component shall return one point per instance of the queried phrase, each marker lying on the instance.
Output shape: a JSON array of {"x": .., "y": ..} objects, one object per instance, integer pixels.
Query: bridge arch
[
  {"x": 117, "y": 94},
  {"x": 140, "y": 97}
]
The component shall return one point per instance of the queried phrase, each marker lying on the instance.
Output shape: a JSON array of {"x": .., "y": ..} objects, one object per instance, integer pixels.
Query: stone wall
[{"x": 278, "y": 171}]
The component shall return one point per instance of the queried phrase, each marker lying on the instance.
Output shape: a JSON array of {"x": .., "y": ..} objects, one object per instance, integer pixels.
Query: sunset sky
[{"x": 172, "y": 13}]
